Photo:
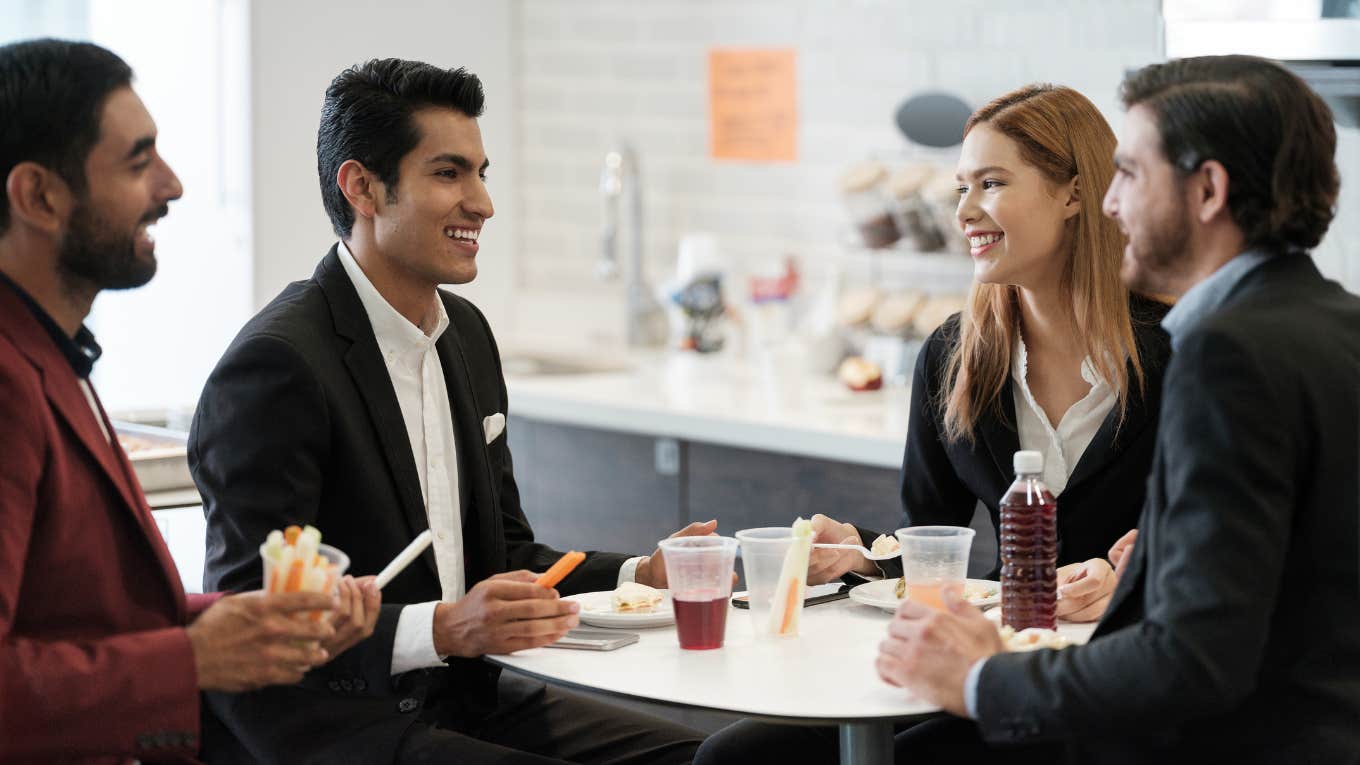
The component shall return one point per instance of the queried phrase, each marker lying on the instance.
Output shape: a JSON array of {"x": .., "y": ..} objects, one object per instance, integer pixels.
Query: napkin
[{"x": 493, "y": 426}]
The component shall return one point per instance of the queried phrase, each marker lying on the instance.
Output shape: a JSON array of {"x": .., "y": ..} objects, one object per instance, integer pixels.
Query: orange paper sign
[{"x": 753, "y": 105}]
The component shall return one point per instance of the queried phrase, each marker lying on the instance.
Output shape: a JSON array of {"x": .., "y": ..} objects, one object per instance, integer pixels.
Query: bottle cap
[{"x": 1027, "y": 463}]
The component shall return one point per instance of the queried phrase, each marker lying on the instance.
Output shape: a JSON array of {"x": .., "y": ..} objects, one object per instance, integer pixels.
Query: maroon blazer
[{"x": 95, "y": 665}]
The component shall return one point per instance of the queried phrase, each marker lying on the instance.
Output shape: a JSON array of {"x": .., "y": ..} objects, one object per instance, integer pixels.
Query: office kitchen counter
[{"x": 723, "y": 401}]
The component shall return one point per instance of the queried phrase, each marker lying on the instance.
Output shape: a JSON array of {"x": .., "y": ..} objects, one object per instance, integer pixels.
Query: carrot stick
[
  {"x": 294, "y": 581},
  {"x": 290, "y": 535},
  {"x": 560, "y": 569},
  {"x": 274, "y": 580},
  {"x": 790, "y": 603}
]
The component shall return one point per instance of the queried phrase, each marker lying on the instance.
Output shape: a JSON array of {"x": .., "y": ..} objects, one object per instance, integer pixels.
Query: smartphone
[
  {"x": 741, "y": 601},
  {"x": 595, "y": 640}
]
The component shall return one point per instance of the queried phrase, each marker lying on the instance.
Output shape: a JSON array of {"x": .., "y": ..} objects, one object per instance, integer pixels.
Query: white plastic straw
[{"x": 405, "y": 557}]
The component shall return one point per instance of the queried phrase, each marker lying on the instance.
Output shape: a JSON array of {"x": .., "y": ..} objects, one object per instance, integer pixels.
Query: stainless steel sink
[{"x": 547, "y": 365}]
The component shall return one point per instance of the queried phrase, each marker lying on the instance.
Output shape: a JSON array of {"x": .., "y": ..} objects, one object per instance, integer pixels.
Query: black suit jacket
[
  {"x": 299, "y": 423},
  {"x": 1234, "y": 636},
  {"x": 942, "y": 482}
]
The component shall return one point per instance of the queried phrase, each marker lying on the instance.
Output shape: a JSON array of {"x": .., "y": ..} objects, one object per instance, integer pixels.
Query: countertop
[{"x": 778, "y": 406}]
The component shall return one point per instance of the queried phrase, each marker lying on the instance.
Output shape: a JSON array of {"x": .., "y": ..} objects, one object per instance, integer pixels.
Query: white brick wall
[{"x": 591, "y": 71}]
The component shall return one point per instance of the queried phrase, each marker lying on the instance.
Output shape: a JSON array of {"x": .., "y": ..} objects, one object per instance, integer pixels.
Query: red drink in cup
[
  {"x": 699, "y": 572},
  {"x": 701, "y": 624}
]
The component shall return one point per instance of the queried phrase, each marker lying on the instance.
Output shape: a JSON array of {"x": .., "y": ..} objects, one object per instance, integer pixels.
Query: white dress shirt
[
  {"x": 417, "y": 376},
  {"x": 1062, "y": 446},
  {"x": 94, "y": 407}
]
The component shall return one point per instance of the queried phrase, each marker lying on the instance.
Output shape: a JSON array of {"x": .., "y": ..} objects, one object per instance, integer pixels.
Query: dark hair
[
  {"x": 367, "y": 118},
  {"x": 51, "y": 96},
  {"x": 1272, "y": 133}
]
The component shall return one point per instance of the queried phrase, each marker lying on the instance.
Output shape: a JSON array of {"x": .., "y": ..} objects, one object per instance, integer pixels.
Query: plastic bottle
[{"x": 1029, "y": 548}]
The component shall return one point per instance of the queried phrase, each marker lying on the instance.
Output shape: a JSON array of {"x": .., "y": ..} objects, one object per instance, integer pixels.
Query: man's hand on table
[
  {"x": 1085, "y": 589},
  {"x": 503, "y": 614},
  {"x": 651, "y": 570},
  {"x": 247, "y": 641},
  {"x": 930, "y": 652},
  {"x": 829, "y": 565}
]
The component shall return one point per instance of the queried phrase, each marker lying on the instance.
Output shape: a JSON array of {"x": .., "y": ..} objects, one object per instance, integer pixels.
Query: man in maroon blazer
[{"x": 102, "y": 656}]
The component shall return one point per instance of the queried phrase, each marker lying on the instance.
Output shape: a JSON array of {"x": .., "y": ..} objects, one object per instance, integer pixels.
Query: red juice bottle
[{"x": 1029, "y": 548}]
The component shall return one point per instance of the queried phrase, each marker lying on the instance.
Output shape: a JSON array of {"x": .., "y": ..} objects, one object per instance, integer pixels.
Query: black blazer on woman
[{"x": 942, "y": 482}]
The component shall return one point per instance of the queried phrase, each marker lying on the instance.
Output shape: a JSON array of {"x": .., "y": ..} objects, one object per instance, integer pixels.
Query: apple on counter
[{"x": 858, "y": 373}]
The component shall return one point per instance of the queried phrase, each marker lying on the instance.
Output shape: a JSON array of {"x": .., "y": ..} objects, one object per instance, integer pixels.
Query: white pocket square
[{"x": 493, "y": 426}]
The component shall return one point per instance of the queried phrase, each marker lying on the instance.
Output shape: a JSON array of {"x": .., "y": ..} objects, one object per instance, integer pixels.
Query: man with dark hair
[
  {"x": 370, "y": 403},
  {"x": 102, "y": 655},
  {"x": 1234, "y": 633}
]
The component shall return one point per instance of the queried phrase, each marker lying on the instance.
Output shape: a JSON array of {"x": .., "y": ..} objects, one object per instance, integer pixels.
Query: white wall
[
  {"x": 595, "y": 69},
  {"x": 162, "y": 340},
  {"x": 591, "y": 70},
  {"x": 297, "y": 48}
]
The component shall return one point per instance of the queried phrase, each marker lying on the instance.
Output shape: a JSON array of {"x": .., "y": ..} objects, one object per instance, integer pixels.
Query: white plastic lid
[{"x": 1029, "y": 463}]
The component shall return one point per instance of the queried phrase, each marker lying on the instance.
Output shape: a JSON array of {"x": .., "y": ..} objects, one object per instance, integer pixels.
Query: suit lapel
[
  {"x": 1102, "y": 449},
  {"x": 999, "y": 434},
  {"x": 476, "y": 472},
  {"x": 147, "y": 521},
  {"x": 1113, "y": 436},
  {"x": 364, "y": 361},
  {"x": 62, "y": 390}
]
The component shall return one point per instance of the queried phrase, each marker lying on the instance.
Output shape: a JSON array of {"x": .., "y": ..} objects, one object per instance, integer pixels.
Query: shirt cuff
[
  {"x": 970, "y": 688},
  {"x": 413, "y": 645},
  {"x": 628, "y": 571}
]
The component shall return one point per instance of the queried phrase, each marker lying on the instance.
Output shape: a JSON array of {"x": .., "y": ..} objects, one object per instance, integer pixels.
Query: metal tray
[{"x": 159, "y": 456}]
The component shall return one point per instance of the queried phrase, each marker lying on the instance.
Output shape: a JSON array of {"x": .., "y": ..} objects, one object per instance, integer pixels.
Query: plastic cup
[
  {"x": 762, "y": 559},
  {"x": 333, "y": 555},
  {"x": 934, "y": 560},
  {"x": 699, "y": 573}
]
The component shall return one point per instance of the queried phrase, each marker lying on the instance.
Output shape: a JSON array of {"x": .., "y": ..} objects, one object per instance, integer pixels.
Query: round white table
[{"x": 825, "y": 676}]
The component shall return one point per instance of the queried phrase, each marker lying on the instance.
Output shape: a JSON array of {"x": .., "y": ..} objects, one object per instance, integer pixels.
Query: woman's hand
[
  {"x": 829, "y": 565},
  {"x": 1120, "y": 552},
  {"x": 1085, "y": 589}
]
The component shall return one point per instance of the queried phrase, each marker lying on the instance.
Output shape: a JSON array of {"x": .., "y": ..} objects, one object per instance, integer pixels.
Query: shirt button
[
  {"x": 360, "y": 684},
  {"x": 407, "y": 705},
  {"x": 439, "y": 535},
  {"x": 334, "y": 685},
  {"x": 347, "y": 685}
]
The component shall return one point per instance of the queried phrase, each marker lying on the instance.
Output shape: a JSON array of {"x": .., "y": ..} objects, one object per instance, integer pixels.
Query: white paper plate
[
  {"x": 597, "y": 612},
  {"x": 882, "y": 594}
]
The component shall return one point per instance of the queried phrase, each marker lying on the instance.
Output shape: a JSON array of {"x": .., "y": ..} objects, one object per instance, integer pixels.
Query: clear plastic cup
[
  {"x": 934, "y": 560},
  {"x": 762, "y": 559},
  {"x": 334, "y": 556},
  {"x": 699, "y": 575}
]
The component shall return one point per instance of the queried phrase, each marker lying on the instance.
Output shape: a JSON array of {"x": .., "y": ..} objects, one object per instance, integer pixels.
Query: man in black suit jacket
[
  {"x": 369, "y": 403},
  {"x": 1234, "y": 634}
]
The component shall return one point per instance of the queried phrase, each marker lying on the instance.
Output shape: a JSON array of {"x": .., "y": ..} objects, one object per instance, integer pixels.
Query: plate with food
[
  {"x": 887, "y": 594},
  {"x": 631, "y": 606},
  {"x": 1034, "y": 638}
]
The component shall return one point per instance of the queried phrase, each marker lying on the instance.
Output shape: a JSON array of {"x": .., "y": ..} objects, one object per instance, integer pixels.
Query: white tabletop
[{"x": 824, "y": 675}]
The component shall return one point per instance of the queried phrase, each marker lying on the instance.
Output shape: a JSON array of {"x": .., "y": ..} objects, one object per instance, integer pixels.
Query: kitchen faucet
[{"x": 645, "y": 321}]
